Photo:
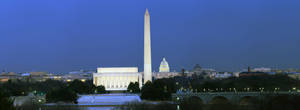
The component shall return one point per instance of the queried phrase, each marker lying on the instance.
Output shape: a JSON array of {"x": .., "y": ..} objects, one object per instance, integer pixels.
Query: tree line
[
  {"x": 281, "y": 102},
  {"x": 54, "y": 90},
  {"x": 161, "y": 89}
]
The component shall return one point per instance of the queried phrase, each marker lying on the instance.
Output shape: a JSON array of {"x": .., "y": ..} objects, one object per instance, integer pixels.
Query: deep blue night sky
[{"x": 228, "y": 35}]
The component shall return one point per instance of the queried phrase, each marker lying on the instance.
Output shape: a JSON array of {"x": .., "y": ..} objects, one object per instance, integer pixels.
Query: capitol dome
[
  {"x": 164, "y": 66},
  {"x": 197, "y": 68}
]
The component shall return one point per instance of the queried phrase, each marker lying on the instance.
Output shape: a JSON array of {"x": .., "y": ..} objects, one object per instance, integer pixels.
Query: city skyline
[{"x": 54, "y": 37}]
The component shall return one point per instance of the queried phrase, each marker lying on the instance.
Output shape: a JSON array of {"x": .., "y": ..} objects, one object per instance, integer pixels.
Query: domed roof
[
  {"x": 197, "y": 68},
  {"x": 164, "y": 66}
]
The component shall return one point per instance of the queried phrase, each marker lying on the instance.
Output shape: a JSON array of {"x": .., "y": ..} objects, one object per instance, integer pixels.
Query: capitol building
[
  {"x": 164, "y": 71},
  {"x": 164, "y": 66}
]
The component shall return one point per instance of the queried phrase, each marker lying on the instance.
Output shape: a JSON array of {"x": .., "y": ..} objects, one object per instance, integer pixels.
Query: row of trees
[
  {"x": 68, "y": 93},
  {"x": 133, "y": 87},
  {"x": 55, "y": 90},
  {"x": 5, "y": 102},
  {"x": 283, "y": 102},
  {"x": 162, "y": 89}
]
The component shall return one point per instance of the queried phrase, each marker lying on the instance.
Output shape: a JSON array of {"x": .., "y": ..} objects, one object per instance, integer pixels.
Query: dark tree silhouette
[
  {"x": 5, "y": 103},
  {"x": 100, "y": 89},
  {"x": 82, "y": 87},
  {"x": 133, "y": 87},
  {"x": 62, "y": 94},
  {"x": 191, "y": 103}
]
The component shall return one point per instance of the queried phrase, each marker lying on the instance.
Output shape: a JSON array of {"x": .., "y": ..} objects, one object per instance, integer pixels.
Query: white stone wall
[{"x": 117, "y": 81}]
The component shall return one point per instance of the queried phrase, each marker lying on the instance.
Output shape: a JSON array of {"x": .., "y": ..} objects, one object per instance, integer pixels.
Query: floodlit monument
[
  {"x": 118, "y": 78},
  {"x": 164, "y": 66},
  {"x": 164, "y": 71},
  {"x": 147, "y": 49}
]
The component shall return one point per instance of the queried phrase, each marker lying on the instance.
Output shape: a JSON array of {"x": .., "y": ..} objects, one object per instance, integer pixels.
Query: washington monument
[{"x": 147, "y": 49}]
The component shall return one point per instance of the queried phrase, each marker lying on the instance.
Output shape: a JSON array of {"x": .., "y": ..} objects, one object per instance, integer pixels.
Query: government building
[
  {"x": 164, "y": 71},
  {"x": 117, "y": 78}
]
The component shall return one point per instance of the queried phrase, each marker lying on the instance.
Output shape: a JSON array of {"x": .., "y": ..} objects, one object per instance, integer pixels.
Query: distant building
[
  {"x": 164, "y": 66},
  {"x": 72, "y": 77},
  {"x": 160, "y": 75},
  {"x": 82, "y": 72},
  {"x": 34, "y": 76},
  {"x": 255, "y": 72},
  {"x": 56, "y": 77},
  {"x": 82, "y": 75},
  {"x": 262, "y": 69},
  {"x": 209, "y": 71},
  {"x": 220, "y": 75},
  {"x": 236, "y": 74},
  {"x": 43, "y": 76},
  {"x": 197, "y": 69},
  {"x": 295, "y": 75},
  {"x": 4, "y": 77},
  {"x": 38, "y": 74}
]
